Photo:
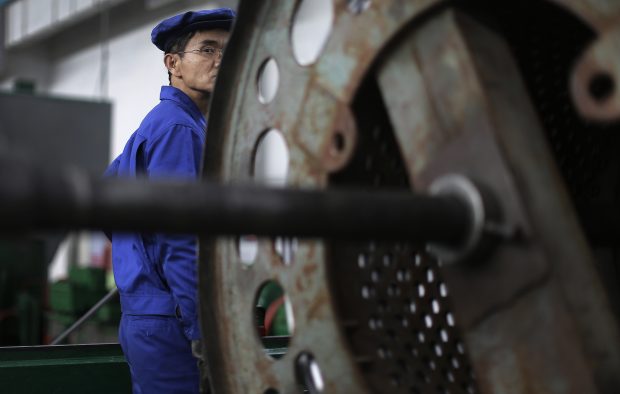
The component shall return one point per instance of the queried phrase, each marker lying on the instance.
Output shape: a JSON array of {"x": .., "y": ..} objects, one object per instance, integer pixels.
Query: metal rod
[
  {"x": 32, "y": 198},
  {"x": 85, "y": 317}
]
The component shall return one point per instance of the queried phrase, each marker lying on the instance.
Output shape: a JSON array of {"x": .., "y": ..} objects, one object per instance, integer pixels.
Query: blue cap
[{"x": 166, "y": 31}]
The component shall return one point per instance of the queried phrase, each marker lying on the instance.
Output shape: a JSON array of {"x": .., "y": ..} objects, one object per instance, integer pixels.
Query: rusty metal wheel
[{"x": 397, "y": 94}]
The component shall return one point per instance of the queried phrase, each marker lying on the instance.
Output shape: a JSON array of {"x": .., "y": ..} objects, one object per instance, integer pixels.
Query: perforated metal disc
[{"x": 395, "y": 94}]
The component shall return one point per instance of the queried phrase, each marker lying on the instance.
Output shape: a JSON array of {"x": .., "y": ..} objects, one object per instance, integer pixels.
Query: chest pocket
[{"x": 153, "y": 251}]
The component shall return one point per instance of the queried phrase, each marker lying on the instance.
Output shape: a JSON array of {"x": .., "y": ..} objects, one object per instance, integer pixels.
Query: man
[{"x": 156, "y": 273}]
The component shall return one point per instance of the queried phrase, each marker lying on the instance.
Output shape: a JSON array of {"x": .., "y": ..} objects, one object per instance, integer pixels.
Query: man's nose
[{"x": 218, "y": 58}]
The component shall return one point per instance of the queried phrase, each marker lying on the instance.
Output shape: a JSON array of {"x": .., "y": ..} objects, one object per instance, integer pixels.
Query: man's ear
[{"x": 171, "y": 61}]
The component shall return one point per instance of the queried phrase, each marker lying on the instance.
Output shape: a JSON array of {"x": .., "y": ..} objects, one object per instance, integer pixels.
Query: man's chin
[
  {"x": 209, "y": 87},
  {"x": 207, "y": 91}
]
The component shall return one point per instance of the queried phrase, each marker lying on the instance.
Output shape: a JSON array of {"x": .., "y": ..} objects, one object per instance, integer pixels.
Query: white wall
[
  {"x": 135, "y": 67},
  {"x": 135, "y": 76}
]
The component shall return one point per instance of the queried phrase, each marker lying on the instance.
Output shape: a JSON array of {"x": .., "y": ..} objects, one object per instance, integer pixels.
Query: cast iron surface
[
  {"x": 311, "y": 123},
  {"x": 429, "y": 89},
  {"x": 393, "y": 303}
]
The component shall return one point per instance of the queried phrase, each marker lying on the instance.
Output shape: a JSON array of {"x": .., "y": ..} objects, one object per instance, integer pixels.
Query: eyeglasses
[{"x": 209, "y": 52}]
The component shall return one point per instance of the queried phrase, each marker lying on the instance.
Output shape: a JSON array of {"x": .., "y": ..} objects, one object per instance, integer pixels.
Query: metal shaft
[
  {"x": 31, "y": 198},
  {"x": 85, "y": 317}
]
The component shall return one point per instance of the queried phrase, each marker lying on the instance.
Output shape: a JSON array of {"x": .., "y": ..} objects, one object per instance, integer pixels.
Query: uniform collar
[{"x": 177, "y": 95}]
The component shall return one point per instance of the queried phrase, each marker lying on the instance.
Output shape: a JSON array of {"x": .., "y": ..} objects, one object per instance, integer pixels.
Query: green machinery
[
  {"x": 71, "y": 298},
  {"x": 31, "y": 311}
]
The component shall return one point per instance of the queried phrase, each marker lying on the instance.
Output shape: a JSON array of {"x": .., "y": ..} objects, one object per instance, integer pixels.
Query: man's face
[{"x": 201, "y": 62}]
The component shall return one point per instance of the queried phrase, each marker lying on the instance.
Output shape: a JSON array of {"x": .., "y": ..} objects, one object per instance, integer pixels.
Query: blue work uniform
[{"x": 156, "y": 273}]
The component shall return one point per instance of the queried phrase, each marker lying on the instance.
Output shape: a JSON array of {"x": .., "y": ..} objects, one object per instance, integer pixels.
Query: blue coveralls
[{"x": 156, "y": 273}]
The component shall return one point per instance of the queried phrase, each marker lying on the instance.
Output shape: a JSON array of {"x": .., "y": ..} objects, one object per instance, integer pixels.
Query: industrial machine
[
  {"x": 445, "y": 221},
  {"x": 519, "y": 98},
  {"x": 57, "y": 131}
]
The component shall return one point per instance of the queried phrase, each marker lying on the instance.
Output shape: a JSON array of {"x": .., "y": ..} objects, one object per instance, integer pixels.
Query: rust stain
[
  {"x": 315, "y": 107},
  {"x": 300, "y": 284},
  {"x": 310, "y": 269},
  {"x": 317, "y": 305}
]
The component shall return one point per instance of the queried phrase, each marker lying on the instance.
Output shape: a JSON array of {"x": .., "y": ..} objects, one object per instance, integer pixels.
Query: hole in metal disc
[
  {"x": 443, "y": 289},
  {"x": 368, "y": 292},
  {"x": 362, "y": 260},
  {"x": 601, "y": 87},
  {"x": 387, "y": 260},
  {"x": 430, "y": 275},
  {"x": 271, "y": 159},
  {"x": 268, "y": 81},
  {"x": 428, "y": 320},
  {"x": 286, "y": 248},
  {"x": 450, "y": 319},
  {"x": 450, "y": 377},
  {"x": 421, "y": 337},
  {"x": 338, "y": 143},
  {"x": 421, "y": 291},
  {"x": 273, "y": 316},
  {"x": 412, "y": 307},
  {"x": 435, "y": 306},
  {"x": 311, "y": 27},
  {"x": 269, "y": 167},
  {"x": 438, "y": 350},
  {"x": 460, "y": 348},
  {"x": 248, "y": 249}
]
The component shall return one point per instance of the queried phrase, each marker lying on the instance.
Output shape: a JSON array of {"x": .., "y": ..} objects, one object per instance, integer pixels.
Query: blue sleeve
[
  {"x": 177, "y": 154},
  {"x": 112, "y": 169}
]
